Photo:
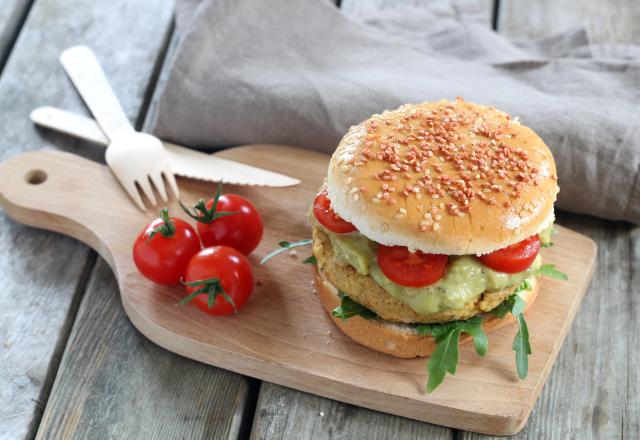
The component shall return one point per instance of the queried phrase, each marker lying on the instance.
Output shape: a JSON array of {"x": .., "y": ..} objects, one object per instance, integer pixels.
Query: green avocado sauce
[{"x": 465, "y": 279}]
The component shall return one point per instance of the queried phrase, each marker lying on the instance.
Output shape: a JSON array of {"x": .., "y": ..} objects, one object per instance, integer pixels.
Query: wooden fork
[{"x": 138, "y": 160}]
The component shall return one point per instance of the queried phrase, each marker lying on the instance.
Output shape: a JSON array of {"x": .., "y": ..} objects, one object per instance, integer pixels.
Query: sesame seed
[{"x": 478, "y": 162}]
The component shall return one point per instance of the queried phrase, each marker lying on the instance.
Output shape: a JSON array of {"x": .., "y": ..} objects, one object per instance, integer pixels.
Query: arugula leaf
[
  {"x": 551, "y": 271},
  {"x": 348, "y": 308},
  {"x": 444, "y": 358},
  {"x": 547, "y": 245},
  {"x": 310, "y": 260},
  {"x": 424, "y": 329},
  {"x": 285, "y": 245},
  {"x": 503, "y": 308},
  {"x": 522, "y": 347},
  {"x": 473, "y": 327},
  {"x": 447, "y": 335},
  {"x": 524, "y": 285},
  {"x": 508, "y": 304},
  {"x": 518, "y": 305}
]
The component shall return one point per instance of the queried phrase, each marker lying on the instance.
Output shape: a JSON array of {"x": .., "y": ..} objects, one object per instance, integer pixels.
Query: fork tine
[
  {"x": 157, "y": 181},
  {"x": 171, "y": 179},
  {"x": 130, "y": 188},
  {"x": 145, "y": 186}
]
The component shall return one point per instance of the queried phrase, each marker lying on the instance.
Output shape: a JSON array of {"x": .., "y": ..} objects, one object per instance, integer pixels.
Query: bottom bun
[{"x": 395, "y": 339}]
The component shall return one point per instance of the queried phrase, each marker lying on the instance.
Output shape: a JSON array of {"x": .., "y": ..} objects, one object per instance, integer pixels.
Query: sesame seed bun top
[{"x": 445, "y": 177}]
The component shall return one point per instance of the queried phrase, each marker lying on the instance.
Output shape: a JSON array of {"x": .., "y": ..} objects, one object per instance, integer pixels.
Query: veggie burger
[{"x": 429, "y": 226}]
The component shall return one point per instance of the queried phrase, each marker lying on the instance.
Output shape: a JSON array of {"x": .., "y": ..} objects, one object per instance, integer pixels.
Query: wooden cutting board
[{"x": 283, "y": 335}]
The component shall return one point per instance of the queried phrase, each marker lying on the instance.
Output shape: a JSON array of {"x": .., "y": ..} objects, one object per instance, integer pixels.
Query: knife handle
[
  {"x": 69, "y": 123},
  {"x": 84, "y": 70}
]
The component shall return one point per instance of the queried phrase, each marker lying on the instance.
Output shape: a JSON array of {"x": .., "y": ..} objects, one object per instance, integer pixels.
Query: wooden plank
[
  {"x": 631, "y": 427},
  {"x": 189, "y": 399},
  {"x": 12, "y": 13},
  {"x": 286, "y": 413},
  {"x": 612, "y": 21},
  {"x": 115, "y": 383},
  {"x": 44, "y": 274},
  {"x": 593, "y": 390},
  {"x": 316, "y": 417},
  {"x": 479, "y": 9}
]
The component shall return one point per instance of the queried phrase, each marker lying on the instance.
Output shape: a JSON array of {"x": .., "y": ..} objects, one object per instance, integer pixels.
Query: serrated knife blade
[{"x": 184, "y": 161}]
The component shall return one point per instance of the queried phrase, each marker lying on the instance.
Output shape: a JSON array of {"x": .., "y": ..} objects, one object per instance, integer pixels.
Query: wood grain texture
[
  {"x": 592, "y": 391},
  {"x": 287, "y": 413},
  {"x": 481, "y": 9},
  {"x": 612, "y": 21},
  {"x": 631, "y": 426},
  {"x": 361, "y": 423},
  {"x": 43, "y": 274},
  {"x": 283, "y": 335},
  {"x": 12, "y": 13},
  {"x": 188, "y": 399},
  {"x": 115, "y": 383}
]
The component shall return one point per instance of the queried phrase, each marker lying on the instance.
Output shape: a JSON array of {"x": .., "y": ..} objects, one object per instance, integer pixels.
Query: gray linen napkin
[{"x": 302, "y": 72}]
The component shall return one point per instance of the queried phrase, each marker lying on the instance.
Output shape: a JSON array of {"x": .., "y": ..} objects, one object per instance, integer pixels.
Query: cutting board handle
[{"x": 66, "y": 193}]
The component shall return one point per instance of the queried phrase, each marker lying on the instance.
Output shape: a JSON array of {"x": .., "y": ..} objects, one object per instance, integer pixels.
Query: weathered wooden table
[{"x": 73, "y": 366}]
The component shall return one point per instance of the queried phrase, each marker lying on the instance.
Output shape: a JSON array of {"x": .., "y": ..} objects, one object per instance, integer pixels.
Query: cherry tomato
[
  {"x": 327, "y": 217},
  {"x": 229, "y": 220},
  {"x": 411, "y": 269},
  {"x": 163, "y": 249},
  {"x": 514, "y": 258},
  {"x": 219, "y": 273}
]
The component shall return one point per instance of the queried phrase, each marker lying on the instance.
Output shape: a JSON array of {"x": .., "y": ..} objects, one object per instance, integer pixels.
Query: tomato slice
[
  {"x": 514, "y": 258},
  {"x": 327, "y": 217},
  {"x": 411, "y": 269}
]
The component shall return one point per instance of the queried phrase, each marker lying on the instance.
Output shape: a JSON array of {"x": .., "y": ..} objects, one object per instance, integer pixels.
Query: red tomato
[
  {"x": 411, "y": 269},
  {"x": 514, "y": 258},
  {"x": 229, "y": 220},
  {"x": 218, "y": 273},
  {"x": 163, "y": 249},
  {"x": 327, "y": 217}
]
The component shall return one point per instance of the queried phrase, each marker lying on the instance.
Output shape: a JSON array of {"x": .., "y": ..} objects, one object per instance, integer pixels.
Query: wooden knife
[{"x": 184, "y": 161}]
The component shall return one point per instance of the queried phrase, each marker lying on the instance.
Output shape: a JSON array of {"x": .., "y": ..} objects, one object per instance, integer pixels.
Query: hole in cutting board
[{"x": 35, "y": 177}]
